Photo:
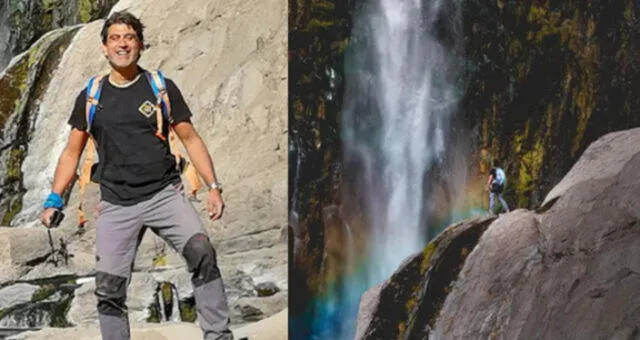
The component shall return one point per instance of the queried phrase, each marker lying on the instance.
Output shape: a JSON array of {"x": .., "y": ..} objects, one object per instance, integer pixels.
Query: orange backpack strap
[{"x": 163, "y": 105}]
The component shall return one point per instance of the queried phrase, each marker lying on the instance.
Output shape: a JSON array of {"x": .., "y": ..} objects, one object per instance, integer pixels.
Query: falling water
[{"x": 400, "y": 99}]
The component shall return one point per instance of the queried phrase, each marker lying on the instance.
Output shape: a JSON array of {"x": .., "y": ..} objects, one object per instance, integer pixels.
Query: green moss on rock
[
  {"x": 43, "y": 292},
  {"x": 187, "y": 311},
  {"x": 154, "y": 310},
  {"x": 14, "y": 207},
  {"x": 85, "y": 9}
]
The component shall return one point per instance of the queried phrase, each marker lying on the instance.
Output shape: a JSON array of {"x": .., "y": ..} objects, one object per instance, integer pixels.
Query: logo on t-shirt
[{"x": 147, "y": 108}]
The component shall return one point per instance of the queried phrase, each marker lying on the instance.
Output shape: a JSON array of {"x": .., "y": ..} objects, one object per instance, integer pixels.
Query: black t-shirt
[{"x": 134, "y": 164}]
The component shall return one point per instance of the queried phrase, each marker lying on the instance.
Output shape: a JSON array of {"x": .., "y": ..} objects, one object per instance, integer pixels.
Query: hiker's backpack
[
  {"x": 500, "y": 177},
  {"x": 163, "y": 111}
]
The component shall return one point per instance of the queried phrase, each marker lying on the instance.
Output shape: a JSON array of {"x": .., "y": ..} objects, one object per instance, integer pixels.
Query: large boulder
[
  {"x": 568, "y": 270},
  {"x": 23, "y": 249},
  {"x": 604, "y": 159},
  {"x": 571, "y": 270},
  {"x": 416, "y": 290}
]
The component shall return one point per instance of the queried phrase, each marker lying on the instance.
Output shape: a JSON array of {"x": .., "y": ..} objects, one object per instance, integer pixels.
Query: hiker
[
  {"x": 139, "y": 181},
  {"x": 495, "y": 185}
]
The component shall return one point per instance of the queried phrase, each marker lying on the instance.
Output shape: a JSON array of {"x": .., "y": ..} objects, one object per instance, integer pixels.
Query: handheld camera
[{"x": 56, "y": 218}]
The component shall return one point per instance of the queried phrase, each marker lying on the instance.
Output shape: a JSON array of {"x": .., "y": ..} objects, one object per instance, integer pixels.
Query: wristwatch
[{"x": 215, "y": 185}]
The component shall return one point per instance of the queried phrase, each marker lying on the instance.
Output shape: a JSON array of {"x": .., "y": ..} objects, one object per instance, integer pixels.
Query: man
[
  {"x": 495, "y": 185},
  {"x": 140, "y": 185}
]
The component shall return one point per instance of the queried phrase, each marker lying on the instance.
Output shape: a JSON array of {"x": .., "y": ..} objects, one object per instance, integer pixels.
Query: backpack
[
  {"x": 500, "y": 177},
  {"x": 163, "y": 111}
]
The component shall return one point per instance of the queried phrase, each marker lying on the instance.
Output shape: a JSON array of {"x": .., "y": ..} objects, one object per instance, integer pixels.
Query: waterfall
[
  {"x": 5, "y": 48},
  {"x": 401, "y": 95},
  {"x": 22, "y": 85},
  {"x": 48, "y": 312},
  {"x": 400, "y": 99}
]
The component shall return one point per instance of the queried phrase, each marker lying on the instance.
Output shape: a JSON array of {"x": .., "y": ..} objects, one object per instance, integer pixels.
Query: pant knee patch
[
  {"x": 111, "y": 291},
  {"x": 201, "y": 259}
]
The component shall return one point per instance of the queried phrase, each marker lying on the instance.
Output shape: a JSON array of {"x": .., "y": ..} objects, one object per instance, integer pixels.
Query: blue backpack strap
[
  {"x": 159, "y": 86},
  {"x": 163, "y": 110},
  {"x": 500, "y": 176},
  {"x": 93, "y": 92}
]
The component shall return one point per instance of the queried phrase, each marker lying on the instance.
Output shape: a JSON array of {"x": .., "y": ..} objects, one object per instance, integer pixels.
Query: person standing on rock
[
  {"x": 140, "y": 184},
  {"x": 495, "y": 185}
]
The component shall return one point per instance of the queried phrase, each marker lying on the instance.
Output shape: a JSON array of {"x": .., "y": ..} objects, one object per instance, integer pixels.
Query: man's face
[{"x": 122, "y": 47}]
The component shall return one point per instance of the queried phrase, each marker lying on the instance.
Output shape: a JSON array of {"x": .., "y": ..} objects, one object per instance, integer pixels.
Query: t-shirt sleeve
[
  {"x": 78, "y": 119},
  {"x": 179, "y": 108}
]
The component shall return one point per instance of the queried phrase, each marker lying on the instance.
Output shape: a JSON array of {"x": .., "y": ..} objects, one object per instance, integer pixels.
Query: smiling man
[{"x": 140, "y": 183}]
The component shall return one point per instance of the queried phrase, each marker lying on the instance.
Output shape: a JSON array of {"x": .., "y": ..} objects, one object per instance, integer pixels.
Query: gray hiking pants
[
  {"x": 119, "y": 232},
  {"x": 492, "y": 196}
]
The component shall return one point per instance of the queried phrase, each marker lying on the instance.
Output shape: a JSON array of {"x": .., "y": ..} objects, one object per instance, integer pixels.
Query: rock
[
  {"x": 266, "y": 289},
  {"x": 262, "y": 265},
  {"x": 22, "y": 248},
  {"x": 139, "y": 297},
  {"x": 272, "y": 328},
  {"x": 507, "y": 253},
  {"x": 179, "y": 277},
  {"x": 79, "y": 264},
  {"x": 249, "y": 313},
  {"x": 369, "y": 302},
  {"x": 401, "y": 305},
  {"x": 248, "y": 309},
  {"x": 152, "y": 246},
  {"x": 83, "y": 310},
  {"x": 603, "y": 159},
  {"x": 16, "y": 294},
  {"x": 24, "y": 21},
  {"x": 237, "y": 284},
  {"x": 569, "y": 269}
]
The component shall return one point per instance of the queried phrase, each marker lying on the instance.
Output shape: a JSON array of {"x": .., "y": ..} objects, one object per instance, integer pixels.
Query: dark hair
[{"x": 123, "y": 17}]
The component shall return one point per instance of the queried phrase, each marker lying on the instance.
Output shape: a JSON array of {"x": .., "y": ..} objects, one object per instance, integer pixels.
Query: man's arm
[
  {"x": 66, "y": 167},
  {"x": 68, "y": 161},
  {"x": 201, "y": 160},
  {"x": 197, "y": 151}
]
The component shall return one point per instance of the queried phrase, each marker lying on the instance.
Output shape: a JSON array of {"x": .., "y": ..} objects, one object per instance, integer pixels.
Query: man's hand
[
  {"x": 46, "y": 216},
  {"x": 215, "y": 205}
]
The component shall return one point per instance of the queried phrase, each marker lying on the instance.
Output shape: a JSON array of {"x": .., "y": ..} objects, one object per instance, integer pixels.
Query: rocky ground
[{"x": 272, "y": 328}]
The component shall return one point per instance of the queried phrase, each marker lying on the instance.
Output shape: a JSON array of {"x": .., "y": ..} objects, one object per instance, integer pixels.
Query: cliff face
[
  {"x": 23, "y": 22},
  {"x": 544, "y": 80},
  {"x": 318, "y": 36}
]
